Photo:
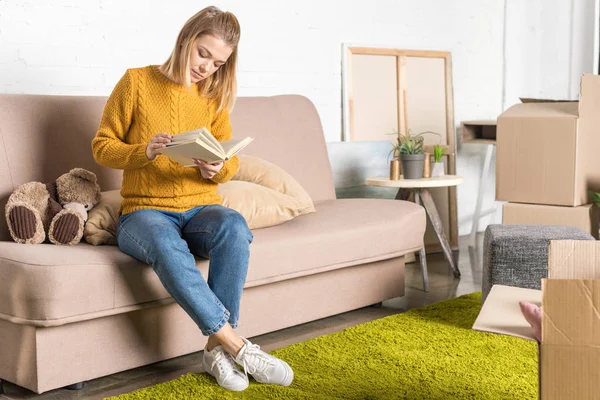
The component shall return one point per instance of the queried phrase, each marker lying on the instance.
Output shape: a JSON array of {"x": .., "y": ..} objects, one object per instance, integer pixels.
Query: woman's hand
[
  {"x": 158, "y": 142},
  {"x": 208, "y": 170}
]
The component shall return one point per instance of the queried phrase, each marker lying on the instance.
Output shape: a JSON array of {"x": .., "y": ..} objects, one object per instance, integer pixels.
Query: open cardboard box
[
  {"x": 547, "y": 153},
  {"x": 570, "y": 297}
]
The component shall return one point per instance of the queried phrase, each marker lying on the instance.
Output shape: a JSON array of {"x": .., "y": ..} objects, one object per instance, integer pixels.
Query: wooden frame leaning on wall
[{"x": 396, "y": 83}]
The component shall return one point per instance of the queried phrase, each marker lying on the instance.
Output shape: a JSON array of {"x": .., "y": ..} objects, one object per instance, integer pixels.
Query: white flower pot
[{"x": 437, "y": 169}]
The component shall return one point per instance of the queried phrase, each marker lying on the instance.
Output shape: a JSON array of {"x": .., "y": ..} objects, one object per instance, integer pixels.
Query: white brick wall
[
  {"x": 549, "y": 44},
  {"x": 76, "y": 47},
  {"x": 79, "y": 47}
]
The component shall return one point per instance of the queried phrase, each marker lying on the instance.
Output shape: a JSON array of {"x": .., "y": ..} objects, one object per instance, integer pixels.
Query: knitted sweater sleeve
[
  {"x": 221, "y": 130},
  {"x": 109, "y": 147}
]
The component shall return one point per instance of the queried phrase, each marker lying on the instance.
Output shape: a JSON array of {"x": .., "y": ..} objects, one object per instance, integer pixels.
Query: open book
[{"x": 201, "y": 144}]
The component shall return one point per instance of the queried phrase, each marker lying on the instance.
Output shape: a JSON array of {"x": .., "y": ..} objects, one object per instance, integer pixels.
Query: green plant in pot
[
  {"x": 411, "y": 154},
  {"x": 437, "y": 166}
]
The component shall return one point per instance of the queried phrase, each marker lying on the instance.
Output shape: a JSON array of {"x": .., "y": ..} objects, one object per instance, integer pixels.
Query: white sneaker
[
  {"x": 221, "y": 365},
  {"x": 264, "y": 367}
]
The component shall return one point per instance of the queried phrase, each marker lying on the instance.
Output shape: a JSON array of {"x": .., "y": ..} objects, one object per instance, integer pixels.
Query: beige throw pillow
[
  {"x": 264, "y": 173},
  {"x": 262, "y": 192},
  {"x": 260, "y": 205}
]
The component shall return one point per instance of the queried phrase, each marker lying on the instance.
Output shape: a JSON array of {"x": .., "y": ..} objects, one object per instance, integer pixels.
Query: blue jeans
[{"x": 168, "y": 241}]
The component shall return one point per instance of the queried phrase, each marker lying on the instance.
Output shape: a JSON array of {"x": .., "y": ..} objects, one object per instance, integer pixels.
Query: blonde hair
[{"x": 222, "y": 85}]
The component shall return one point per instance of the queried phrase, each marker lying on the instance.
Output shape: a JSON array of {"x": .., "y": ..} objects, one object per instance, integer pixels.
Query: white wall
[
  {"x": 82, "y": 48},
  {"x": 549, "y": 44},
  {"x": 75, "y": 47}
]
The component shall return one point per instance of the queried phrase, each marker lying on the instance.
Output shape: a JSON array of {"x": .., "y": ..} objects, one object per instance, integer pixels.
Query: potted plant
[
  {"x": 437, "y": 166},
  {"x": 411, "y": 154}
]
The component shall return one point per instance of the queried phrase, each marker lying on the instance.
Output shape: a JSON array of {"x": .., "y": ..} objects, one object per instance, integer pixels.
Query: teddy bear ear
[{"x": 83, "y": 174}]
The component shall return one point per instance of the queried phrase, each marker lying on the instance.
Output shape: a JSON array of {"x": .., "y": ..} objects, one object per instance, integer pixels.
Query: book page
[
  {"x": 211, "y": 139},
  {"x": 201, "y": 144},
  {"x": 184, "y": 153},
  {"x": 202, "y": 136},
  {"x": 186, "y": 136},
  {"x": 204, "y": 141},
  {"x": 233, "y": 146}
]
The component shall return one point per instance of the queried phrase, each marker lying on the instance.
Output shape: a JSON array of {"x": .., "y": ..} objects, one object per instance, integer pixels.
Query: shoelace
[
  {"x": 225, "y": 363},
  {"x": 255, "y": 360}
]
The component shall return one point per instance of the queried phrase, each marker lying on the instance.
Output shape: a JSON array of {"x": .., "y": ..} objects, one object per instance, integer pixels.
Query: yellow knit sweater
[{"x": 145, "y": 103}]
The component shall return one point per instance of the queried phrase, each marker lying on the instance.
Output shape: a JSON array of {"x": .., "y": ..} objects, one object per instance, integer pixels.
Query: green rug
[{"x": 427, "y": 353}]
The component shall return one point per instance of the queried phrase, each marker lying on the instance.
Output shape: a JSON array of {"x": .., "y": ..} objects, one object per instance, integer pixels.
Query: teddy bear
[{"x": 56, "y": 210}]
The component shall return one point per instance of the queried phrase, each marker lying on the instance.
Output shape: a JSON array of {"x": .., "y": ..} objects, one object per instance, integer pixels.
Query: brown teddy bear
[{"x": 58, "y": 208}]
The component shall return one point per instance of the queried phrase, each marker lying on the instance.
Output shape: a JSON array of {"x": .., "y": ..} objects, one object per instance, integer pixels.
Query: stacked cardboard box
[
  {"x": 585, "y": 217},
  {"x": 548, "y": 158}
]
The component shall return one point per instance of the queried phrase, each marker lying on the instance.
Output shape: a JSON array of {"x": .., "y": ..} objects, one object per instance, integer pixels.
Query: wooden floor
[{"x": 443, "y": 286}]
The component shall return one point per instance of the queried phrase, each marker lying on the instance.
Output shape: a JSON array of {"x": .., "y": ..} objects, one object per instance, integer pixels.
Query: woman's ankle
[
  {"x": 212, "y": 343},
  {"x": 233, "y": 345},
  {"x": 231, "y": 341}
]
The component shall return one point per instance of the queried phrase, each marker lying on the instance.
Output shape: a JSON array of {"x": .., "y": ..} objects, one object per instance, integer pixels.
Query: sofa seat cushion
[
  {"x": 52, "y": 285},
  {"x": 341, "y": 233}
]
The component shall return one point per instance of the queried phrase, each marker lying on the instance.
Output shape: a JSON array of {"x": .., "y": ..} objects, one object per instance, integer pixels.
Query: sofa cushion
[
  {"x": 261, "y": 206},
  {"x": 264, "y": 173},
  {"x": 341, "y": 233},
  {"x": 52, "y": 285}
]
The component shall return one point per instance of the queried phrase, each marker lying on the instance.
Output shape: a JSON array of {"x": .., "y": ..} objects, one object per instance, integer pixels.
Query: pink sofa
[{"x": 72, "y": 314}]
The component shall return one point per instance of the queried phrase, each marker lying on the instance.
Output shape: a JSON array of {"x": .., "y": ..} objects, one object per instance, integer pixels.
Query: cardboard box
[
  {"x": 569, "y": 362},
  {"x": 586, "y": 217},
  {"x": 570, "y": 351},
  {"x": 547, "y": 153}
]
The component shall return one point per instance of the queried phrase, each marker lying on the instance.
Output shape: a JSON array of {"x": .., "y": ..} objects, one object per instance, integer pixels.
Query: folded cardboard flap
[
  {"x": 574, "y": 259},
  {"x": 570, "y": 312},
  {"x": 501, "y": 312},
  {"x": 541, "y": 110},
  {"x": 534, "y": 100}
]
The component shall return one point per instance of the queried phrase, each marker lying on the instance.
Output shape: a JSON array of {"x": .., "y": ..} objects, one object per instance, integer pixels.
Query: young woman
[{"x": 170, "y": 213}]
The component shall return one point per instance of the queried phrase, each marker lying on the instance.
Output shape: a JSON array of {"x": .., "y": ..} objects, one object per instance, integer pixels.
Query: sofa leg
[
  {"x": 1, "y": 387},
  {"x": 76, "y": 386}
]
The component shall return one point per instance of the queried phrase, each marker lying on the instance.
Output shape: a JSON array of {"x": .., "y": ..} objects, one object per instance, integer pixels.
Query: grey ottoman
[{"x": 517, "y": 255}]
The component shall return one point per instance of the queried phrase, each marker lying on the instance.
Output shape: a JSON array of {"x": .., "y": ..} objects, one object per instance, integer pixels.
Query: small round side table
[{"x": 422, "y": 196}]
